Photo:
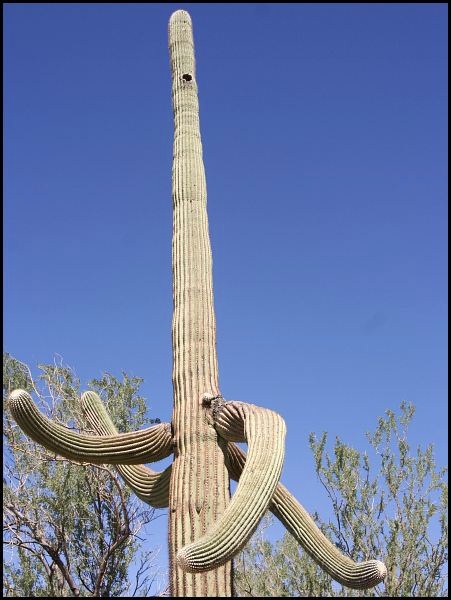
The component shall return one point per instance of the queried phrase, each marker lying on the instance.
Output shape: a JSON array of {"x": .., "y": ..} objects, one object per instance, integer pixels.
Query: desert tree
[{"x": 71, "y": 528}]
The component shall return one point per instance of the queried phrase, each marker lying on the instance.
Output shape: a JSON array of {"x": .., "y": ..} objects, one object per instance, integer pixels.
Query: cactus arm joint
[{"x": 241, "y": 422}]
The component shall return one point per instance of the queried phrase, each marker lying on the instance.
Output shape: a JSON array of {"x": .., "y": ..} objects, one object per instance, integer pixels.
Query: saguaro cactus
[{"x": 206, "y": 527}]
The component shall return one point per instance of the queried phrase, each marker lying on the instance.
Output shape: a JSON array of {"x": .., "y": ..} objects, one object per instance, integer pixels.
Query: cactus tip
[
  {"x": 180, "y": 16},
  {"x": 182, "y": 560},
  {"x": 16, "y": 397},
  {"x": 382, "y": 569},
  {"x": 89, "y": 394}
]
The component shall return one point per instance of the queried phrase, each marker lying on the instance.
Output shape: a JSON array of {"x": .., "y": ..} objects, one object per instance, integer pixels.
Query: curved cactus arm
[
  {"x": 264, "y": 431},
  {"x": 147, "y": 445},
  {"x": 150, "y": 486},
  {"x": 305, "y": 531}
]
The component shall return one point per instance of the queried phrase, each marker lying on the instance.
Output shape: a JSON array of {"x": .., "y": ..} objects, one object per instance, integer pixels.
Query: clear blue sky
[{"x": 325, "y": 144}]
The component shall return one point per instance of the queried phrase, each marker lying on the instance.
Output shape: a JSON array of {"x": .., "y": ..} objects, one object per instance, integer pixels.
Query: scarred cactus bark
[{"x": 206, "y": 528}]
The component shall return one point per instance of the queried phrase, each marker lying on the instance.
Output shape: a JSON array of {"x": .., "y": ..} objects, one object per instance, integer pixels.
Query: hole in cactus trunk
[{"x": 187, "y": 77}]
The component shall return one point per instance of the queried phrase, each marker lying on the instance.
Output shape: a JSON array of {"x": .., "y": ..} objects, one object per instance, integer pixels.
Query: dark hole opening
[{"x": 186, "y": 77}]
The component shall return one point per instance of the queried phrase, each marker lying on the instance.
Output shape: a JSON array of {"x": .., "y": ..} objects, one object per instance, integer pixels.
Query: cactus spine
[{"x": 206, "y": 528}]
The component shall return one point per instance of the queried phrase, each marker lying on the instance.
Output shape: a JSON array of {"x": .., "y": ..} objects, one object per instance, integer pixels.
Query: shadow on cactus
[{"x": 207, "y": 528}]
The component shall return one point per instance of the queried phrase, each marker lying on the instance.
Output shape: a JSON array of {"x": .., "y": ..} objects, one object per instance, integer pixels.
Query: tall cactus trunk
[{"x": 199, "y": 488}]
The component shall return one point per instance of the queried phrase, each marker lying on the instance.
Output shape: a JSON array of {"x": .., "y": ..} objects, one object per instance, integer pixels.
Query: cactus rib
[
  {"x": 305, "y": 531},
  {"x": 147, "y": 445},
  {"x": 264, "y": 431},
  {"x": 150, "y": 486}
]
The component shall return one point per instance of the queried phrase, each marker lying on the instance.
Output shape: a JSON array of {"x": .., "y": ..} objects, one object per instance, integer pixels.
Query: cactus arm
[
  {"x": 264, "y": 431},
  {"x": 150, "y": 486},
  {"x": 147, "y": 445},
  {"x": 305, "y": 531}
]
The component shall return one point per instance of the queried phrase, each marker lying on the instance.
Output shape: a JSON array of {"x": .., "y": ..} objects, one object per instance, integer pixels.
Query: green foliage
[
  {"x": 70, "y": 529},
  {"x": 397, "y": 514}
]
